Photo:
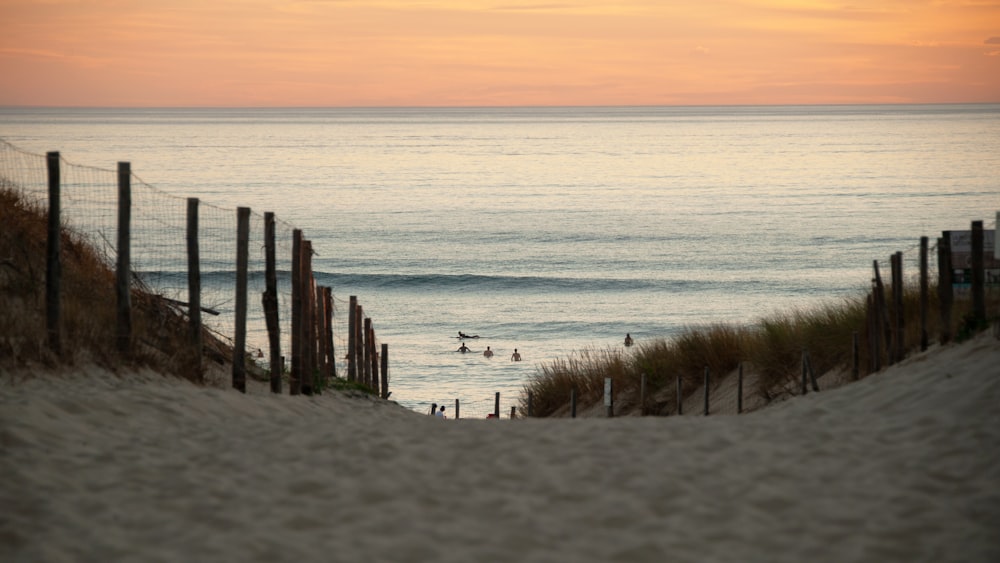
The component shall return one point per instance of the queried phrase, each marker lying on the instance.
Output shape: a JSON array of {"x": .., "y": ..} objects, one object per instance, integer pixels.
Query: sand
[{"x": 902, "y": 466}]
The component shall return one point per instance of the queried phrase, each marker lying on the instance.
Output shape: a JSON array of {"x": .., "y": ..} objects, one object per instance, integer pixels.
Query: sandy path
[{"x": 903, "y": 466}]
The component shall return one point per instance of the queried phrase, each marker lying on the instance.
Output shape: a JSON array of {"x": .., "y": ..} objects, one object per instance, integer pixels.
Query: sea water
[{"x": 556, "y": 230}]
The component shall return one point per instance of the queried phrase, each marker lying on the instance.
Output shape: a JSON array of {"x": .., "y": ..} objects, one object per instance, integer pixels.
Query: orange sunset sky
[{"x": 496, "y": 52}]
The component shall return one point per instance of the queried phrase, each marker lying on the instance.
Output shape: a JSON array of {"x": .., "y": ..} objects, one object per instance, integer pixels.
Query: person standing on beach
[
  {"x": 488, "y": 353},
  {"x": 515, "y": 357}
]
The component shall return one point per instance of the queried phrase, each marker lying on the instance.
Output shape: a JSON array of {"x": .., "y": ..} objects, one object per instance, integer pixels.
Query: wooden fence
[{"x": 313, "y": 355}]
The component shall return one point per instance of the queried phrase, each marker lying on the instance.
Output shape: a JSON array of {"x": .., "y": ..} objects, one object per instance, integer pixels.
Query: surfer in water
[{"x": 463, "y": 335}]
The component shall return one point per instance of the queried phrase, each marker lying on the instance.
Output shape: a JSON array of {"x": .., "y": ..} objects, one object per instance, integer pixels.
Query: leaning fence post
[
  {"x": 270, "y": 303},
  {"x": 240, "y": 334},
  {"x": 194, "y": 284},
  {"x": 124, "y": 266},
  {"x": 53, "y": 269}
]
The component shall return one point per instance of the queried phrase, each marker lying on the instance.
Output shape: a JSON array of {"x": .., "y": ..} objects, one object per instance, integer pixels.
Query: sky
[{"x": 347, "y": 53}]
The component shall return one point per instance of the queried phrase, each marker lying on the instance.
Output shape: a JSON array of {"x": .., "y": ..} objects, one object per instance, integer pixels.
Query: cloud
[
  {"x": 992, "y": 41},
  {"x": 699, "y": 50}
]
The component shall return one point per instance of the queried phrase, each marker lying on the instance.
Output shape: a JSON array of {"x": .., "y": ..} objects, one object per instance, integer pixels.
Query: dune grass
[
  {"x": 771, "y": 346},
  {"x": 87, "y": 302}
]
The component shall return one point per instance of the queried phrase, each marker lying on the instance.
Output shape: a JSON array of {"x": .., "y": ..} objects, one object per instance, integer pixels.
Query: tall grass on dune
[
  {"x": 771, "y": 348},
  {"x": 88, "y": 302}
]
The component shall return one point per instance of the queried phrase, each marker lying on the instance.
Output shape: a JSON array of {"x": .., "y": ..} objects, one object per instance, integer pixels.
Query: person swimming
[{"x": 463, "y": 348}]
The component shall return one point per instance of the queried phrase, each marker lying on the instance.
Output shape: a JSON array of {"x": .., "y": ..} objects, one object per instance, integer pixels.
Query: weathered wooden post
[
  {"x": 366, "y": 361},
  {"x": 457, "y": 411},
  {"x": 269, "y": 300},
  {"x": 978, "y": 277},
  {"x": 706, "y": 390},
  {"x": 53, "y": 264},
  {"x": 322, "y": 354},
  {"x": 804, "y": 388},
  {"x": 373, "y": 357},
  {"x": 352, "y": 319},
  {"x": 809, "y": 369},
  {"x": 945, "y": 290},
  {"x": 530, "y": 410},
  {"x": 609, "y": 400},
  {"x": 295, "y": 378},
  {"x": 899, "y": 338},
  {"x": 642, "y": 394},
  {"x": 572, "y": 403},
  {"x": 240, "y": 331},
  {"x": 513, "y": 412},
  {"x": 924, "y": 293},
  {"x": 331, "y": 356},
  {"x": 385, "y": 376},
  {"x": 881, "y": 317},
  {"x": 739, "y": 390},
  {"x": 680, "y": 396},
  {"x": 194, "y": 285},
  {"x": 855, "y": 357},
  {"x": 359, "y": 342},
  {"x": 496, "y": 405},
  {"x": 308, "y": 320},
  {"x": 123, "y": 267}
]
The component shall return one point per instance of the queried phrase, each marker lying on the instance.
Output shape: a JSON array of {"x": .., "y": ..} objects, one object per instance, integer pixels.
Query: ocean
[{"x": 556, "y": 230}]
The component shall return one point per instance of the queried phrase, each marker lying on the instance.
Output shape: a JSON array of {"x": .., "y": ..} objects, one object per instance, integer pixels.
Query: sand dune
[{"x": 902, "y": 466}]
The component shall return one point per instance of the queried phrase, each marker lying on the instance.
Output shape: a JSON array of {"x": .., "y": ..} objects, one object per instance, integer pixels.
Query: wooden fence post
[
  {"x": 530, "y": 411},
  {"x": 978, "y": 277},
  {"x": 513, "y": 412},
  {"x": 322, "y": 354},
  {"x": 240, "y": 333},
  {"x": 53, "y": 264},
  {"x": 812, "y": 374},
  {"x": 924, "y": 291},
  {"x": 945, "y": 290},
  {"x": 295, "y": 378},
  {"x": 123, "y": 267},
  {"x": 366, "y": 360},
  {"x": 331, "y": 356},
  {"x": 269, "y": 300},
  {"x": 855, "y": 357},
  {"x": 642, "y": 394},
  {"x": 385, "y": 376},
  {"x": 609, "y": 397},
  {"x": 194, "y": 285},
  {"x": 496, "y": 405},
  {"x": 359, "y": 342},
  {"x": 352, "y": 319},
  {"x": 899, "y": 337},
  {"x": 457, "y": 411},
  {"x": 572, "y": 403},
  {"x": 680, "y": 396},
  {"x": 706, "y": 390},
  {"x": 308, "y": 320},
  {"x": 739, "y": 390},
  {"x": 805, "y": 389},
  {"x": 882, "y": 317}
]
